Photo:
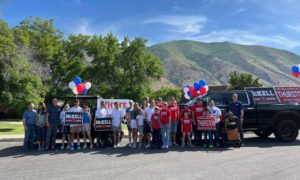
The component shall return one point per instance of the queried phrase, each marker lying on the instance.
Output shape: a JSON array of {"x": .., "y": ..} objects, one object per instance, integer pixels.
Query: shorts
[
  {"x": 133, "y": 124},
  {"x": 186, "y": 128},
  {"x": 116, "y": 128},
  {"x": 141, "y": 129},
  {"x": 86, "y": 128},
  {"x": 174, "y": 125},
  {"x": 147, "y": 128},
  {"x": 75, "y": 129},
  {"x": 65, "y": 130}
]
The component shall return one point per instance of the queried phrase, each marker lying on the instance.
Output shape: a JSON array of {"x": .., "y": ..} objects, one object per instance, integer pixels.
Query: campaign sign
[
  {"x": 74, "y": 118},
  {"x": 264, "y": 95},
  {"x": 288, "y": 94},
  {"x": 103, "y": 124},
  {"x": 109, "y": 104},
  {"x": 206, "y": 123}
]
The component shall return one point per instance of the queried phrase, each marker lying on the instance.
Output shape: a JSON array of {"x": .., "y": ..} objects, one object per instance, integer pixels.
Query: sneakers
[
  {"x": 167, "y": 147},
  {"x": 72, "y": 148},
  {"x": 84, "y": 147},
  {"x": 211, "y": 146},
  {"x": 134, "y": 145},
  {"x": 182, "y": 145},
  {"x": 62, "y": 147},
  {"x": 68, "y": 147},
  {"x": 147, "y": 146},
  {"x": 175, "y": 144},
  {"x": 78, "y": 146},
  {"x": 163, "y": 147},
  {"x": 119, "y": 145},
  {"x": 115, "y": 146}
]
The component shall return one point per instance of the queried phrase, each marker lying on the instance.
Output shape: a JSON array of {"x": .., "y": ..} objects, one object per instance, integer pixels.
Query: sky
[{"x": 274, "y": 23}]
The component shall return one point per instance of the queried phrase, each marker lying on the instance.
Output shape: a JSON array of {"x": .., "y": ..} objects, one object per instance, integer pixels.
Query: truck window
[
  {"x": 241, "y": 97},
  {"x": 217, "y": 97}
]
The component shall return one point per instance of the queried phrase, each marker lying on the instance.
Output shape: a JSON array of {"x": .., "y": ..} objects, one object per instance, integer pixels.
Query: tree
[
  {"x": 122, "y": 70},
  {"x": 167, "y": 92},
  {"x": 238, "y": 81}
]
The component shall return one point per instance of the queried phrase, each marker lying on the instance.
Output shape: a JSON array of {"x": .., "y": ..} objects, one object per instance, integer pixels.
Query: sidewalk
[{"x": 12, "y": 138}]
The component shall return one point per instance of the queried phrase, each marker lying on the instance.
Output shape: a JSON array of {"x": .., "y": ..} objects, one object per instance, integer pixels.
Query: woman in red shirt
[{"x": 186, "y": 129}]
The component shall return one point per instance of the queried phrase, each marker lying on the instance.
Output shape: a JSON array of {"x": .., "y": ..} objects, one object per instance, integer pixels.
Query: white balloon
[
  {"x": 185, "y": 90},
  {"x": 187, "y": 96},
  {"x": 75, "y": 91},
  {"x": 206, "y": 87},
  {"x": 298, "y": 65},
  {"x": 88, "y": 85},
  {"x": 72, "y": 85}
]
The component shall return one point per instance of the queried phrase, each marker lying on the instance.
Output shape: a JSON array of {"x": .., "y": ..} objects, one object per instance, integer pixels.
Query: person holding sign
[
  {"x": 65, "y": 128},
  {"x": 117, "y": 116},
  {"x": 155, "y": 128},
  {"x": 75, "y": 129},
  {"x": 186, "y": 129},
  {"x": 216, "y": 113},
  {"x": 100, "y": 113},
  {"x": 207, "y": 121},
  {"x": 86, "y": 127}
]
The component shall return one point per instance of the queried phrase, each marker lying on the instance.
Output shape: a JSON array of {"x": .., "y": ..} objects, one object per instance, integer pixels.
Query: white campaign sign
[{"x": 123, "y": 104}]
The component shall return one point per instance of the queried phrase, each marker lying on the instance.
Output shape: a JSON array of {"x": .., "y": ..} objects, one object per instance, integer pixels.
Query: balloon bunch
[
  {"x": 296, "y": 70},
  {"x": 78, "y": 87},
  {"x": 197, "y": 89}
]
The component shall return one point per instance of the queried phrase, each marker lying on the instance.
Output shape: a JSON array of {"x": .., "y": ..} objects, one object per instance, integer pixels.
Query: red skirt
[{"x": 186, "y": 128}]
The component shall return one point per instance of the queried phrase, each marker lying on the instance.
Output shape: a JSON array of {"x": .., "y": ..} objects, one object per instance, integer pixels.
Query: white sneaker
[
  {"x": 163, "y": 147},
  {"x": 119, "y": 145},
  {"x": 115, "y": 146},
  {"x": 167, "y": 147},
  {"x": 72, "y": 148},
  {"x": 78, "y": 146},
  {"x": 147, "y": 146},
  {"x": 62, "y": 147},
  {"x": 84, "y": 147}
]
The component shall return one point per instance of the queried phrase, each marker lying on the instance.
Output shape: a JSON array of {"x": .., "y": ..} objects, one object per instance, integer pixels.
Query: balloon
[
  {"x": 295, "y": 69},
  {"x": 75, "y": 91},
  {"x": 187, "y": 86},
  {"x": 189, "y": 94},
  {"x": 202, "y": 83},
  {"x": 295, "y": 74},
  {"x": 186, "y": 96},
  {"x": 202, "y": 91},
  {"x": 193, "y": 92},
  {"x": 84, "y": 91},
  {"x": 206, "y": 87},
  {"x": 80, "y": 87},
  {"x": 77, "y": 80},
  {"x": 185, "y": 90},
  {"x": 88, "y": 85},
  {"x": 196, "y": 86},
  {"x": 72, "y": 85}
]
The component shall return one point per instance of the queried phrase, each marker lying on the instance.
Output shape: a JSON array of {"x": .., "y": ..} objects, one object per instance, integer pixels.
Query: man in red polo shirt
[
  {"x": 197, "y": 111},
  {"x": 165, "y": 117},
  {"x": 174, "y": 109}
]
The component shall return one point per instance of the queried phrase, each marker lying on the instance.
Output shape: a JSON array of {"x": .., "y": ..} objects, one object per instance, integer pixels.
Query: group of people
[{"x": 153, "y": 124}]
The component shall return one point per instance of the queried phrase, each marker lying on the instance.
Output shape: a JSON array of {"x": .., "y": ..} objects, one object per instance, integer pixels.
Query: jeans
[
  {"x": 51, "y": 135},
  {"x": 29, "y": 133},
  {"x": 240, "y": 129},
  {"x": 156, "y": 140},
  {"x": 198, "y": 137},
  {"x": 42, "y": 132},
  {"x": 210, "y": 136},
  {"x": 217, "y": 134},
  {"x": 165, "y": 131}
]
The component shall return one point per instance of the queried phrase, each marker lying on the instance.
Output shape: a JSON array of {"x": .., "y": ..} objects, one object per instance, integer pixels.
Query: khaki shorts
[
  {"x": 86, "y": 128},
  {"x": 75, "y": 129}
]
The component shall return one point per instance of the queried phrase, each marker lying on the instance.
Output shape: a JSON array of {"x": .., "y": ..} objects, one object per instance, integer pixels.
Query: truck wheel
[
  {"x": 286, "y": 130},
  {"x": 263, "y": 133}
]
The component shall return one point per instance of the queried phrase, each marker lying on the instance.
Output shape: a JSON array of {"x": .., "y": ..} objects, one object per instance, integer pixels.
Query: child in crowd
[
  {"x": 75, "y": 129},
  {"x": 186, "y": 129},
  {"x": 41, "y": 125},
  {"x": 140, "y": 125},
  {"x": 209, "y": 133},
  {"x": 86, "y": 127},
  {"x": 65, "y": 128},
  {"x": 155, "y": 128}
]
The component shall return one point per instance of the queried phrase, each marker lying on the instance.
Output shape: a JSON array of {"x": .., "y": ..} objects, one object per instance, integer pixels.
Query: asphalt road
[{"x": 258, "y": 159}]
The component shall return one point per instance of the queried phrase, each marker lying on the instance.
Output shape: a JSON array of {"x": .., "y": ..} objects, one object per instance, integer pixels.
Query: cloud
[
  {"x": 239, "y": 11},
  {"x": 248, "y": 38},
  {"x": 295, "y": 28},
  {"x": 180, "y": 24}
]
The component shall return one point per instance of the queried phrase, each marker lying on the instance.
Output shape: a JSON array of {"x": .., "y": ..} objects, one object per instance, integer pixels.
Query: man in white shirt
[
  {"x": 101, "y": 112},
  {"x": 117, "y": 115},
  {"x": 75, "y": 128},
  {"x": 216, "y": 113},
  {"x": 148, "y": 114}
]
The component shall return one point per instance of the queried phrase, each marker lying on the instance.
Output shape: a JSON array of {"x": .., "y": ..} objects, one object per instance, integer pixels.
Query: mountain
[{"x": 189, "y": 61}]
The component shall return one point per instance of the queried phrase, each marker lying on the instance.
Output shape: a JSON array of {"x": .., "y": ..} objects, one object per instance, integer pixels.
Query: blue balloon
[
  {"x": 295, "y": 69},
  {"x": 77, "y": 80},
  {"x": 196, "y": 86},
  {"x": 187, "y": 86},
  {"x": 189, "y": 94},
  {"x": 202, "y": 83},
  {"x": 84, "y": 91}
]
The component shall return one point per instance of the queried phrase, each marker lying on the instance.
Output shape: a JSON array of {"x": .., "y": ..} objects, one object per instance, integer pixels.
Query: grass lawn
[{"x": 11, "y": 127}]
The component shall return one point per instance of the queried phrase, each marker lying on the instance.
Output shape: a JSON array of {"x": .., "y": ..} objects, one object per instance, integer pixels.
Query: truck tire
[
  {"x": 263, "y": 133},
  {"x": 286, "y": 130}
]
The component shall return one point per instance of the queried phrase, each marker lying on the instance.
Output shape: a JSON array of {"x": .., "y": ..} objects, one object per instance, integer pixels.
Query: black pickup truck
[{"x": 262, "y": 118}]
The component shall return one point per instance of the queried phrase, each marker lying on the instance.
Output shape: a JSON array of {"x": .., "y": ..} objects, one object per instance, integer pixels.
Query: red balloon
[
  {"x": 295, "y": 74},
  {"x": 193, "y": 91},
  {"x": 80, "y": 87},
  {"x": 202, "y": 91}
]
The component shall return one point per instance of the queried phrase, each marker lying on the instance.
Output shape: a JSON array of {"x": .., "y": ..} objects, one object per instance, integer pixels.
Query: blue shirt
[
  {"x": 30, "y": 117},
  {"x": 53, "y": 114},
  {"x": 235, "y": 108},
  {"x": 86, "y": 118}
]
